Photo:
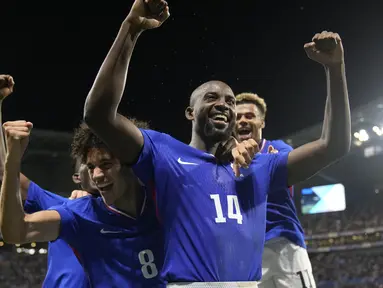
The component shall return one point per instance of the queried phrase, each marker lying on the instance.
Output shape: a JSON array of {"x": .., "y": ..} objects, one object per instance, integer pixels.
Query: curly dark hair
[{"x": 84, "y": 139}]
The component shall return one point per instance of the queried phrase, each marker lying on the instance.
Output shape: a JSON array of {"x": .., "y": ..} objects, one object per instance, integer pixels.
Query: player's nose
[
  {"x": 242, "y": 121},
  {"x": 221, "y": 106},
  {"x": 98, "y": 174}
]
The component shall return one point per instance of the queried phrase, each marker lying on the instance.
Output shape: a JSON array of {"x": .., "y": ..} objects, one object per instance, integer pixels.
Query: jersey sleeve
[
  {"x": 281, "y": 146},
  {"x": 69, "y": 225},
  {"x": 154, "y": 144},
  {"x": 39, "y": 199},
  {"x": 278, "y": 171}
]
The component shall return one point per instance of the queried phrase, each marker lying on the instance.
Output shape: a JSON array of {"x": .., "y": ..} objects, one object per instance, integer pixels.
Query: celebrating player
[
  {"x": 64, "y": 269},
  {"x": 210, "y": 216},
  {"x": 116, "y": 236},
  {"x": 285, "y": 261}
]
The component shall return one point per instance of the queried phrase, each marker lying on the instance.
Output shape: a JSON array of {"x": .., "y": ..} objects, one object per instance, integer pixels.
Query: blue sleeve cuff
[
  {"x": 32, "y": 203},
  {"x": 68, "y": 224}
]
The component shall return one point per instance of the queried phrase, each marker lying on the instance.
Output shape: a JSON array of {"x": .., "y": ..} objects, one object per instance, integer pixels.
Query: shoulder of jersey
[
  {"x": 184, "y": 154},
  {"x": 278, "y": 145},
  {"x": 181, "y": 153},
  {"x": 157, "y": 136},
  {"x": 82, "y": 203},
  {"x": 160, "y": 138}
]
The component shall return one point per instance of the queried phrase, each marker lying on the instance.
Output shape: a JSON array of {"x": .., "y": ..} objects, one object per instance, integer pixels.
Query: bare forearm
[
  {"x": 105, "y": 95},
  {"x": 309, "y": 159},
  {"x": 2, "y": 144},
  {"x": 12, "y": 215},
  {"x": 337, "y": 116},
  {"x": 100, "y": 111}
]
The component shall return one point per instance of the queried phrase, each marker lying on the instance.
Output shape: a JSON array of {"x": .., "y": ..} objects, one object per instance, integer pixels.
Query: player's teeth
[{"x": 220, "y": 117}]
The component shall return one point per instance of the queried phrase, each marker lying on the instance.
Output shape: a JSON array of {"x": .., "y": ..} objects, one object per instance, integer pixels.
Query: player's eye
[
  {"x": 250, "y": 116},
  {"x": 90, "y": 167},
  {"x": 230, "y": 101},
  {"x": 106, "y": 165},
  {"x": 210, "y": 97}
]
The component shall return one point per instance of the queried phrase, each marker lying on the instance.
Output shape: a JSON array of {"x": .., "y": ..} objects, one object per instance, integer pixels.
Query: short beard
[{"x": 211, "y": 134}]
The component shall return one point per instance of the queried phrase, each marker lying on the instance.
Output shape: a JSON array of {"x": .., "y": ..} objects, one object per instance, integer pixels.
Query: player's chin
[
  {"x": 218, "y": 134},
  {"x": 242, "y": 138}
]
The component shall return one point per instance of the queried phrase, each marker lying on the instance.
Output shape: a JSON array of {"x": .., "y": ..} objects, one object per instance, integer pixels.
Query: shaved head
[
  {"x": 207, "y": 86},
  {"x": 212, "y": 112}
]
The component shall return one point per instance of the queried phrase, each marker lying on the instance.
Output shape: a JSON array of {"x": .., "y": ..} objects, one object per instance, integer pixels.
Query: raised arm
[
  {"x": 100, "y": 111},
  {"x": 6, "y": 88},
  {"x": 335, "y": 141},
  {"x": 15, "y": 225}
]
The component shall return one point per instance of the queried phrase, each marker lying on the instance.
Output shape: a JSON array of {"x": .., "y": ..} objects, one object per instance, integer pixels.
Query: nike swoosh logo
[
  {"x": 103, "y": 231},
  {"x": 185, "y": 163}
]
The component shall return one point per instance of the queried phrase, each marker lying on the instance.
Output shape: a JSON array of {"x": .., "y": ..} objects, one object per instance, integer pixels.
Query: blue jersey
[
  {"x": 282, "y": 219},
  {"x": 214, "y": 223},
  {"x": 115, "y": 249},
  {"x": 64, "y": 269}
]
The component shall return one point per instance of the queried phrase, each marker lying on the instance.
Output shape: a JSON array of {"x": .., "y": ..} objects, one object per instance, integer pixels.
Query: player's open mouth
[
  {"x": 244, "y": 133},
  {"x": 219, "y": 118}
]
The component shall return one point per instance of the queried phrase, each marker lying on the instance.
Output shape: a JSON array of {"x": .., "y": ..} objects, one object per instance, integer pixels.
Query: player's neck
[
  {"x": 203, "y": 145},
  {"x": 131, "y": 202}
]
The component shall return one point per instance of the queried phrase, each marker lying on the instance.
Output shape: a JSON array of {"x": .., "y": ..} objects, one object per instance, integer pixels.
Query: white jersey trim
[{"x": 115, "y": 210}]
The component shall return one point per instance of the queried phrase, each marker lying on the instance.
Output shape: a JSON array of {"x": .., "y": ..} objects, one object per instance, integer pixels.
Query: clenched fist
[
  {"x": 17, "y": 135},
  {"x": 6, "y": 86},
  {"x": 78, "y": 194},
  {"x": 148, "y": 14},
  {"x": 243, "y": 155},
  {"x": 326, "y": 48}
]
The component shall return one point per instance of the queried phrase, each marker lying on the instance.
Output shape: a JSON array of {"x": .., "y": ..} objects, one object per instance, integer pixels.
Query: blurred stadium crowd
[{"x": 346, "y": 248}]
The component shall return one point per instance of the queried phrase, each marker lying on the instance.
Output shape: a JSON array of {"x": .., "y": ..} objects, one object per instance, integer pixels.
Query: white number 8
[{"x": 148, "y": 269}]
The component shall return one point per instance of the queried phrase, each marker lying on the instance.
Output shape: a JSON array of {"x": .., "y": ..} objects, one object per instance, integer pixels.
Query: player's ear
[
  {"x": 263, "y": 124},
  {"x": 76, "y": 178},
  {"x": 189, "y": 113}
]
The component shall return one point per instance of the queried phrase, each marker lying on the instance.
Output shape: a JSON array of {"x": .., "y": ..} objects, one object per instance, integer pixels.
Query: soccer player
[
  {"x": 64, "y": 269},
  {"x": 116, "y": 236},
  {"x": 208, "y": 215},
  {"x": 285, "y": 261}
]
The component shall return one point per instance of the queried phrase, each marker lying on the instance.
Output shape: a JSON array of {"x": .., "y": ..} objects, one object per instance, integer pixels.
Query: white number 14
[{"x": 232, "y": 206}]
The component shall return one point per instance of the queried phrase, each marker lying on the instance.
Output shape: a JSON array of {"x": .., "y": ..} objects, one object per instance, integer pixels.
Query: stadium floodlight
[
  {"x": 377, "y": 130},
  {"x": 362, "y": 135}
]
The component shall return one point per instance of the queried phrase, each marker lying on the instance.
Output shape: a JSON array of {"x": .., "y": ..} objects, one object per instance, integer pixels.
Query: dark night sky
[{"x": 54, "y": 51}]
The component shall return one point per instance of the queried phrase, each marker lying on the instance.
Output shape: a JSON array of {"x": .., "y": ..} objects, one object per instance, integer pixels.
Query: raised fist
[
  {"x": 326, "y": 48},
  {"x": 78, "y": 194},
  {"x": 17, "y": 135},
  {"x": 243, "y": 155},
  {"x": 6, "y": 86},
  {"x": 148, "y": 14}
]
